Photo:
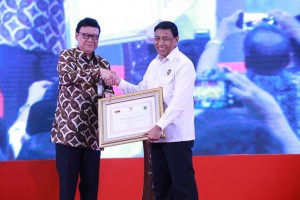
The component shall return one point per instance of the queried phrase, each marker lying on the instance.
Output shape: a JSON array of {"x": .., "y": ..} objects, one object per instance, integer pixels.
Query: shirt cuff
[
  {"x": 214, "y": 42},
  {"x": 161, "y": 124},
  {"x": 122, "y": 83}
]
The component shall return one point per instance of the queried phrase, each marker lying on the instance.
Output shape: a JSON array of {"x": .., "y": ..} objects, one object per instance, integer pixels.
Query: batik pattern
[
  {"x": 76, "y": 116},
  {"x": 33, "y": 25}
]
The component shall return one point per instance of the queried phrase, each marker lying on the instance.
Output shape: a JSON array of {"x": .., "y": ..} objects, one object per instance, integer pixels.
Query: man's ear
[{"x": 177, "y": 39}]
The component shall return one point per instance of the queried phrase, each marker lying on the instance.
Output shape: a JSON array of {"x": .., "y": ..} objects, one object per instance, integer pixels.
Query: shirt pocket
[{"x": 167, "y": 82}]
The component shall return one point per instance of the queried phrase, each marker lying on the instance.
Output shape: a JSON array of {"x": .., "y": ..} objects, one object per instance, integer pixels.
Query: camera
[
  {"x": 247, "y": 21},
  {"x": 212, "y": 92}
]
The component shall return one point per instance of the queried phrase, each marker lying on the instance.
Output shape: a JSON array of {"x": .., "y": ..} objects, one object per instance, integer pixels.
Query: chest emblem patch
[{"x": 169, "y": 71}]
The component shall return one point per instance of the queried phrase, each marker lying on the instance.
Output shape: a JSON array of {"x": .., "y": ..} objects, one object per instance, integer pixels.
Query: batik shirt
[{"x": 76, "y": 116}]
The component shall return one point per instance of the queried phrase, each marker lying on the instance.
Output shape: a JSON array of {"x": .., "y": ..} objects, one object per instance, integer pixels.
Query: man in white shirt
[{"x": 173, "y": 173}]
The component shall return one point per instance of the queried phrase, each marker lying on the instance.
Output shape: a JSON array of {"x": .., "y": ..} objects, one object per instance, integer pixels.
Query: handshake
[{"x": 110, "y": 78}]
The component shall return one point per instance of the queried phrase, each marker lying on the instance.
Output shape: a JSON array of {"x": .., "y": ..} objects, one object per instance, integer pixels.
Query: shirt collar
[{"x": 81, "y": 54}]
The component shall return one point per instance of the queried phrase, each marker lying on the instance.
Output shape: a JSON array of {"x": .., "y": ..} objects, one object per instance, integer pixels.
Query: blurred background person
[
  {"x": 266, "y": 51},
  {"x": 17, "y": 132},
  {"x": 37, "y": 146}
]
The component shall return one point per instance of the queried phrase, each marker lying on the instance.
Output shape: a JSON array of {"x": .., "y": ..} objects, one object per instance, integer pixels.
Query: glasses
[{"x": 87, "y": 36}]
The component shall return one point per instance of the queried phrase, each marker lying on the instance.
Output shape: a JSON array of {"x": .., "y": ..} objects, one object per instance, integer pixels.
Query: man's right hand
[
  {"x": 105, "y": 73},
  {"x": 111, "y": 78},
  {"x": 228, "y": 26}
]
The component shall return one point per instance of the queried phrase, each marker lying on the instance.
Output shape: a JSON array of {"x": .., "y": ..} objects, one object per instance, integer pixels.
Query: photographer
[
  {"x": 291, "y": 26},
  {"x": 266, "y": 56}
]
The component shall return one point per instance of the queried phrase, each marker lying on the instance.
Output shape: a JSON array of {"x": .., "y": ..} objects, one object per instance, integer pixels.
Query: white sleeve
[
  {"x": 182, "y": 95},
  {"x": 129, "y": 87}
]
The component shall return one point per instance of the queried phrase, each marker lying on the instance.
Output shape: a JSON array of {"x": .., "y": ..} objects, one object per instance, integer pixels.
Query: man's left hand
[{"x": 154, "y": 133}]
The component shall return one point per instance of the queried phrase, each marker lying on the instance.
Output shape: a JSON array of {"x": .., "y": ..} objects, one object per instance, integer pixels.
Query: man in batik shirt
[{"x": 75, "y": 127}]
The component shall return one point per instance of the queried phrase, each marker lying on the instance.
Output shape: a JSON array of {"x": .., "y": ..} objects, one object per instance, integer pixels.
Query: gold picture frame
[{"x": 125, "y": 118}]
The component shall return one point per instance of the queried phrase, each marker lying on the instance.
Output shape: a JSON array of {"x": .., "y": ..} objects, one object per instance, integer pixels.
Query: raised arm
[
  {"x": 288, "y": 23},
  {"x": 210, "y": 56}
]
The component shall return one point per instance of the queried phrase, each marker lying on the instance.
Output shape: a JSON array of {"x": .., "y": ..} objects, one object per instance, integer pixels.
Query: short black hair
[
  {"x": 87, "y": 22},
  {"x": 167, "y": 25},
  {"x": 254, "y": 44},
  {"x": 266, "y": 47}
]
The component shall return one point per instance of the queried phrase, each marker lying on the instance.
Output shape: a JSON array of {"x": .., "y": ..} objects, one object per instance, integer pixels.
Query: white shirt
[{"x": 176, "y": 74}]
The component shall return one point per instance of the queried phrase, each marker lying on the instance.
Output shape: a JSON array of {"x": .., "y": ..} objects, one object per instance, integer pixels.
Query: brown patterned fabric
[{"x": 76, "y": 115}]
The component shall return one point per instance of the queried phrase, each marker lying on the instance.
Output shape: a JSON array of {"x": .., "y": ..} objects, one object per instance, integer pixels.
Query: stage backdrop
[{"x": 34, "y": 32}]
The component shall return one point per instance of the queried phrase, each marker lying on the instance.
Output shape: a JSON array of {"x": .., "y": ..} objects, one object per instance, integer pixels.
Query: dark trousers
[
  {"x": 72, "y": 162},
  {"x": 173, "y": 172}
]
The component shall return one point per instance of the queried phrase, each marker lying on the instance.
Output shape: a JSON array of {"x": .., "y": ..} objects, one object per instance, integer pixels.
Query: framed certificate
[{"x": 126, "y": 118}]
